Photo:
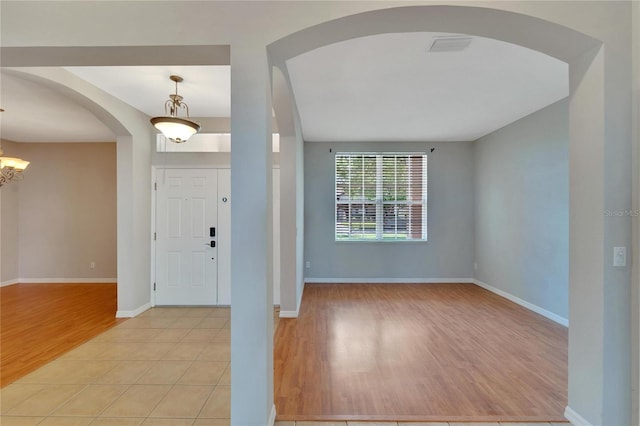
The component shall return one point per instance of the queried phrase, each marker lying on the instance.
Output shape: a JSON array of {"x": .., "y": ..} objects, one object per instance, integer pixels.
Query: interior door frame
[
  {"x": 155, "y": 168},
  {"x": 152, "y": 242}
]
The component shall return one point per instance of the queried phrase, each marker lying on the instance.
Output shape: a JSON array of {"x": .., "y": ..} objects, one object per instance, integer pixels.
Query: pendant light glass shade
[{"x": 174, "y": 128}]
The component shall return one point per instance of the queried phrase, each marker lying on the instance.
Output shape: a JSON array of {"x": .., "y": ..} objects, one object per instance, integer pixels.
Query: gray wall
[
  {"x": 522, "y": 208},
  {"x": 447, "y": 254}
]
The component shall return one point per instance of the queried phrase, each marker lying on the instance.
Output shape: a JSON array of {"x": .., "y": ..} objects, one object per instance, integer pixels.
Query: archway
[{"x": 588, "y": 312}]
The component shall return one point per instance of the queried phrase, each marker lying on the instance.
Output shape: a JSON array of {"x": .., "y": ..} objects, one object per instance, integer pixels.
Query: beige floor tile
[
  {"x": 64, "y": 371},
  {"x": 125, "y": 372},
  {"x": 45, "y": 401},
  {"x": 216, "y": 351},
  {"x": 185, "y": 351},
  {"x": 198, "y": 312},
  {"x": 220, "y": 313},
  {"x": 163, "y": 372},
  {"x": 150, "y": 350},
  {"x": 114, "y": 421},
  {"x": 186, "y": 322},
  {"x": 218, "y": 406},
  {"x": 148, "y": 322},
  {"x": 118, "y": 334},
  {"x": 223, "y": 335},
  {"x": 167, "y": 422},
  {"x": 201, "y": 335},
  {"x": 475, "y": 424},
  {"x": 99, "y": 351},
  {"x": 137, "y": 401},
  {"x": 91, "y": 401},
  {"x": 320, "y": 423},
  {"x": 66, "y": 421},
  {"x": 15, "y": 393},
  {"x": 182, "y": 401},
  {"x": 226, "y": 377},
  {"x": 203, "y": 373},
  {"x": 372, "y": 423},
  {"x": 435, "y": 424},
  {"x": 522, "y": 424},
  {"x": 162, "y": 312},
  {"x": 19, "y": 421},
  {"x": 171, "y": 335},
  {"x": 212, "y": 322},
  {"x": 212, "y": 422}
]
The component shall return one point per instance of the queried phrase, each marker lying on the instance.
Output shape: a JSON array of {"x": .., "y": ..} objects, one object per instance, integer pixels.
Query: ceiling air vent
[{"x": 449, "y": 44}]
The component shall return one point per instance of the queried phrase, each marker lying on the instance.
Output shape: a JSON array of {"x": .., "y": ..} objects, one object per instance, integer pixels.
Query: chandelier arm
[{"x": 7, "y": 174}]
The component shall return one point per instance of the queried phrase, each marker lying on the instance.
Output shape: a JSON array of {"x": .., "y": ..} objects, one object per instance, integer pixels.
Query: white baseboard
[
  {"x": 389, "y": 280},
  {"x": 9, "y": 282},
  {"x": 67, "y": 280},
  {"x": 272, "y": 416},
  {"x": 134, "y": 313},
  {"x": 575, "y": 418},
  {"x": 535, "y": 308},
  {"x": 294, "y": 314}
]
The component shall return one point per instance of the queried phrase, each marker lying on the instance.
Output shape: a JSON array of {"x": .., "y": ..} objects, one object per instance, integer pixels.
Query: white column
[
  {"x": 251, "y": 239},
  {"x": 291, "y": 197},
  {"x": 586, "y": 239},
  {"x": 134, "y": 222}
]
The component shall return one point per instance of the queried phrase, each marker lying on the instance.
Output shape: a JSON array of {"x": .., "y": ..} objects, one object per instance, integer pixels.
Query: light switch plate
[{"x": 619, "y": 256}]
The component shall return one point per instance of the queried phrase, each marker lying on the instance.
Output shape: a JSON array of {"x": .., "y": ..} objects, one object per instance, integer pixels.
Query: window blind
[{"x": 380, "y": 196}]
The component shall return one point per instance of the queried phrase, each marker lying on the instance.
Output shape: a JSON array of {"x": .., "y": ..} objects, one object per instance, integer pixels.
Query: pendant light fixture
[{"x": 174, "y": 128}]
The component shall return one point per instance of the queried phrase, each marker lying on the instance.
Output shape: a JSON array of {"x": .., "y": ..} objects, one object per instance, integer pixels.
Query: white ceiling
[
  {"x": 389, "y": 87},
  {"x": 35, "y": 113},
  {"x": 206, "y": 89},
  {"x": 379, "y": 88}
]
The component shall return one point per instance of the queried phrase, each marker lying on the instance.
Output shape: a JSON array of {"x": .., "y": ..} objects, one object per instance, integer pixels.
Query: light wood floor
[
  {"x": 40, "y": 322},
  {"x": 436, "y": 352}
]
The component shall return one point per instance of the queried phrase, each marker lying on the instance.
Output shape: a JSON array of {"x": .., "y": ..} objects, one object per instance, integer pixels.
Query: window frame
[{"x": 379, "y": 201}]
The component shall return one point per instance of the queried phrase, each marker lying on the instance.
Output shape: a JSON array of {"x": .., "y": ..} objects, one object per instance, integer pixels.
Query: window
[
  {"x": 381, "y": 197},
  {"x": 205, "y": 142}
]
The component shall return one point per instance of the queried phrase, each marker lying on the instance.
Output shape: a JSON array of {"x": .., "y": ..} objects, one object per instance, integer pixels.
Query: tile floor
[{"x": 167, "y": 367}]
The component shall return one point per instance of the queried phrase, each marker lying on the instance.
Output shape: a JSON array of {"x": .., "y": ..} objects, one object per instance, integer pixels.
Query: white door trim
[{"x": 155, "y": 168}]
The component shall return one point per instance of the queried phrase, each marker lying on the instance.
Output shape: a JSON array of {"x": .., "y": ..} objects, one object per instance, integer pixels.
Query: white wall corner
[
  {"x": 134, "y": 313},
  {"x": 575, "y": 418},
  {"x": 535, "y": 308},
  {"x": 9, "y": 282},
  {"x": 294, "y": 314},
  {"x": 272, "y": 416}
]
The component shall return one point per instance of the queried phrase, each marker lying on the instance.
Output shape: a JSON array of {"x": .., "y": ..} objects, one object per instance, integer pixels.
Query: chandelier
[
  {"x": 174, "y": 128},
  {"x": 11, "y": 168}
]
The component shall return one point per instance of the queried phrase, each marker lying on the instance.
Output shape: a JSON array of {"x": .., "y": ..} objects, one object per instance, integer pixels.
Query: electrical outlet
[
  {"x": 307, "y": 264},
  {"x": 92, "y": 265},
  {"x": 475, "y": 266},
  {"x": 619, "y": 256}
]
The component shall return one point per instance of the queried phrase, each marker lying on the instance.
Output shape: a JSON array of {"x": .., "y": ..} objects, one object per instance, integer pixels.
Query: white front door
[{"x": 186, "y": 225}]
